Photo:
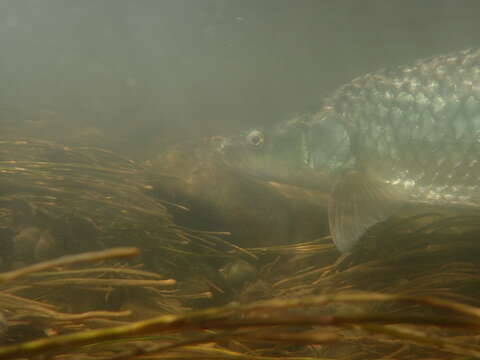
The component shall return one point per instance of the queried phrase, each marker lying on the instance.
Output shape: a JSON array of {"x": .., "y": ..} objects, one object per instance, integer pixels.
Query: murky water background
[
  {"x": 108, "y": 112},
  {"x": 137, "y": 75}
]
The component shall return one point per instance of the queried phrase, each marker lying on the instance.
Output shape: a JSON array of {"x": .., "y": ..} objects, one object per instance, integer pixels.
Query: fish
[{"x": 402, "y": 135}]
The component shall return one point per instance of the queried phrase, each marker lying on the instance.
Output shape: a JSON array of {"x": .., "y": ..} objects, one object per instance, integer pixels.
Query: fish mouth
[{"x": 216, "y": 144}]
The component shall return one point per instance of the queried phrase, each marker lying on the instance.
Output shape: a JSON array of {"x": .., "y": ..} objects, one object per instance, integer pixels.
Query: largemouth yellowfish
[{"x": 410, "y": 134}]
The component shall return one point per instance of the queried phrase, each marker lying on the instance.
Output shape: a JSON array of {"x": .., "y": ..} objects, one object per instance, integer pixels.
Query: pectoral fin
[{"x": 357, "y": 203}]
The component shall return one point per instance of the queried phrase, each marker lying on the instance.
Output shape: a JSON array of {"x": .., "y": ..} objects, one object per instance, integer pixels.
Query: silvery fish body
[
  {"x": 409, "y": 134},
  {"x": 416, "y": 126}
]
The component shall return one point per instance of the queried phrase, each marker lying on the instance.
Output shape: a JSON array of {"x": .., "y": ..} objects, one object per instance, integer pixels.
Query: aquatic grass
[
  {"x": 313, "y": 326},
  {"x": 94, "y": 197},
  {"x": 410, "y": 291},
  {"x": 230, "y": 321}
]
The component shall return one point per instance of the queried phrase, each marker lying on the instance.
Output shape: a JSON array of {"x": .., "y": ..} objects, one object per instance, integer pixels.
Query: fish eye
[{"x": 255, "y": 138}]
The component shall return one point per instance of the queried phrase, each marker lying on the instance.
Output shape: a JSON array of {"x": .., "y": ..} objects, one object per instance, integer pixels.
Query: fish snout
[
  {"x": 230, "y": 147},
  {"x": 217, "y": 143}
]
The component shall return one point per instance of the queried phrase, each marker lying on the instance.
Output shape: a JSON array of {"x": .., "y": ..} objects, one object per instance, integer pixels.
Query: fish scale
[
  {"x": 430, "y": 104},
  {"x": 415, "y": 128}
]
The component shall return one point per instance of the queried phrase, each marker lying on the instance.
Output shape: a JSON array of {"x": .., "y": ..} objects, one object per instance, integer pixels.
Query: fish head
[
  {"x": 297, "y": 151},
  {"x": 272, "y": 153}
]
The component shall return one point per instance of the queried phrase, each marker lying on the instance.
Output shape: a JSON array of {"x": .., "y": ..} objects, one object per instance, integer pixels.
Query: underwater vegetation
[
  {"x": 199, "y": 294},
  {"x": 420, "y": 304},
  {"x": 193, "y": 256}
]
